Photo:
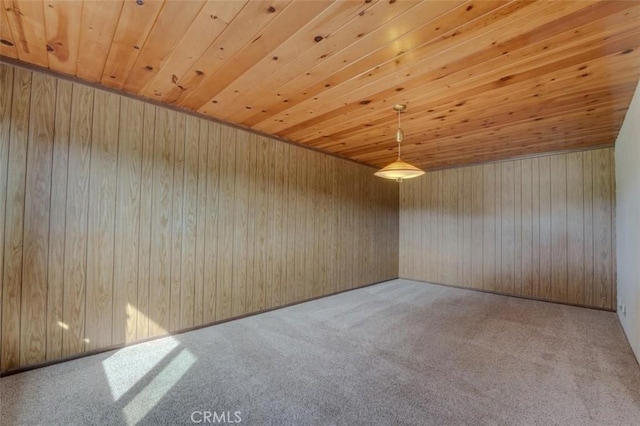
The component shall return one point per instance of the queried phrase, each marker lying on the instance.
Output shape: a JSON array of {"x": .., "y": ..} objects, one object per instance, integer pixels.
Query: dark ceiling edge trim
[
  {"x": 525, "y": 157},
  {"x": 36, "y": 68}
]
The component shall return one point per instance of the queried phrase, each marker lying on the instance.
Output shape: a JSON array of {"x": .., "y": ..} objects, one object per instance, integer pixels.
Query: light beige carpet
[{"x": 400, "y": 352}]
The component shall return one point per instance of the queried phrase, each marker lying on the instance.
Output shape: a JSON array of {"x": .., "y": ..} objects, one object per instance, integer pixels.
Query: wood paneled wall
[
  {"x": 122, "y": 221},
  {"x": 540, "y": 227}
]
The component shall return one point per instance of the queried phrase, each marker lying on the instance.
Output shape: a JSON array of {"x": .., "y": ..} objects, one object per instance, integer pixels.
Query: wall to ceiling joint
[{"x": 475, "y": 74}]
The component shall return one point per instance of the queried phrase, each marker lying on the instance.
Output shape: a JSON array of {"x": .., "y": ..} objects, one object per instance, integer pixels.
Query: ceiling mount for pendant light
[{"x": 399, "y": 169}]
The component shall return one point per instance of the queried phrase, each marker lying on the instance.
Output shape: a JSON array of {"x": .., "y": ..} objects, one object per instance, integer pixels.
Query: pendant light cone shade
[{"x": 399, "y": 169}]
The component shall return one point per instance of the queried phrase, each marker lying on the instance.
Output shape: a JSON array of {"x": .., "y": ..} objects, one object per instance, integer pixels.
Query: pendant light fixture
[{"x": 399, "y": 170}]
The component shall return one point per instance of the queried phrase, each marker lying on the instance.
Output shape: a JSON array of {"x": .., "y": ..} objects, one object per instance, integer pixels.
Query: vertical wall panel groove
[
  {"x": 527, "y": 229},
  {"x": 101, "y": 220},
  {"x": 60, "y": 167},
  {"x": 188, "y": 255},
  {"x": 177, "y": 200},
  {"x": 535, "y": 233},
  {"x": 14, "y": 219},
  {"x": 426, "y": 235},
  {"x": 75, "y": 260},
  {"x": 507, "y": 228},
  {"x": 544, "y": 167},
  {"x": 517, "y": 212},
  {"x": 160, "y": 271},
  {"x": 498, "y": 276},
  {"x": 278, "y": 288},
  {"x": 240, "y": 227},
  {"x": 200, "y": 235},
  {"x": 36, "y": 220},
  {"x": 252, "y": 212},
  {"x": 467, "y": 231},
  {"x": 300, "y": 220},
  {"x": 559, "y": 229},
  {"x": 602, "y": 225},
  {"x": 145, "y": 215},
  {"x": 315, "y": 214},
  {"x": 6, "y": 95},
  {"x": 274, "y": 225},
  {"x": 261, "y": 273},
  {"x": 421, "y": 240},
  {"x": 225, "y": 239},
  {"x": 476, "y": 227},
  {"x": 587, "y": 176},
  {"x": 489, "y": 228},
  {"x": 125, "y": 221},
  {"x": 290, "y": 203},
  {"x": 406, "y": 211},
  {"x": 212, "y": 212},
  {"x": 127, "y": 236},
  {"x": 434, "y": 225},
  {"x": 575, "y": 228},
  {"x": 539, "y": 227}
]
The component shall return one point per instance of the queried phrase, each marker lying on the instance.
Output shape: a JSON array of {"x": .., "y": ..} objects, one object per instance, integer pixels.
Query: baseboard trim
[
  {"x": 624, "y": 333},
  {"x": 480, "y": 290},
  {"x": 23, "y": 369}
]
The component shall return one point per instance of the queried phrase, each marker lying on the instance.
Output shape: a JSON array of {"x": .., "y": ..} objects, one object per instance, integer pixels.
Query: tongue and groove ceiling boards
[{"x": 483, "y": 80}]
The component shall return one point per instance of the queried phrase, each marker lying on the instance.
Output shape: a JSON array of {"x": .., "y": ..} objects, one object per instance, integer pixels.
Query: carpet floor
[{"x": 400, "y": 352}]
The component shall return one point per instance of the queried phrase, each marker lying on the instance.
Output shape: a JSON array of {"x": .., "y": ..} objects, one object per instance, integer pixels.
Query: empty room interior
[{"x": 314, "y": 212}]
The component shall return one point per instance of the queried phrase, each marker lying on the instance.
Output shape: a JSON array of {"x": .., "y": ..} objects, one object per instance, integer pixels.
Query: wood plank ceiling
[{"x": 483, "y": 80}]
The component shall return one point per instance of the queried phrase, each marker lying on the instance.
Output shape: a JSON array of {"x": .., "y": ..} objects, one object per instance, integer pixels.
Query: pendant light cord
[
  {"x": 399, "y": 170},
  {"x": 399, "y": 133}
]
